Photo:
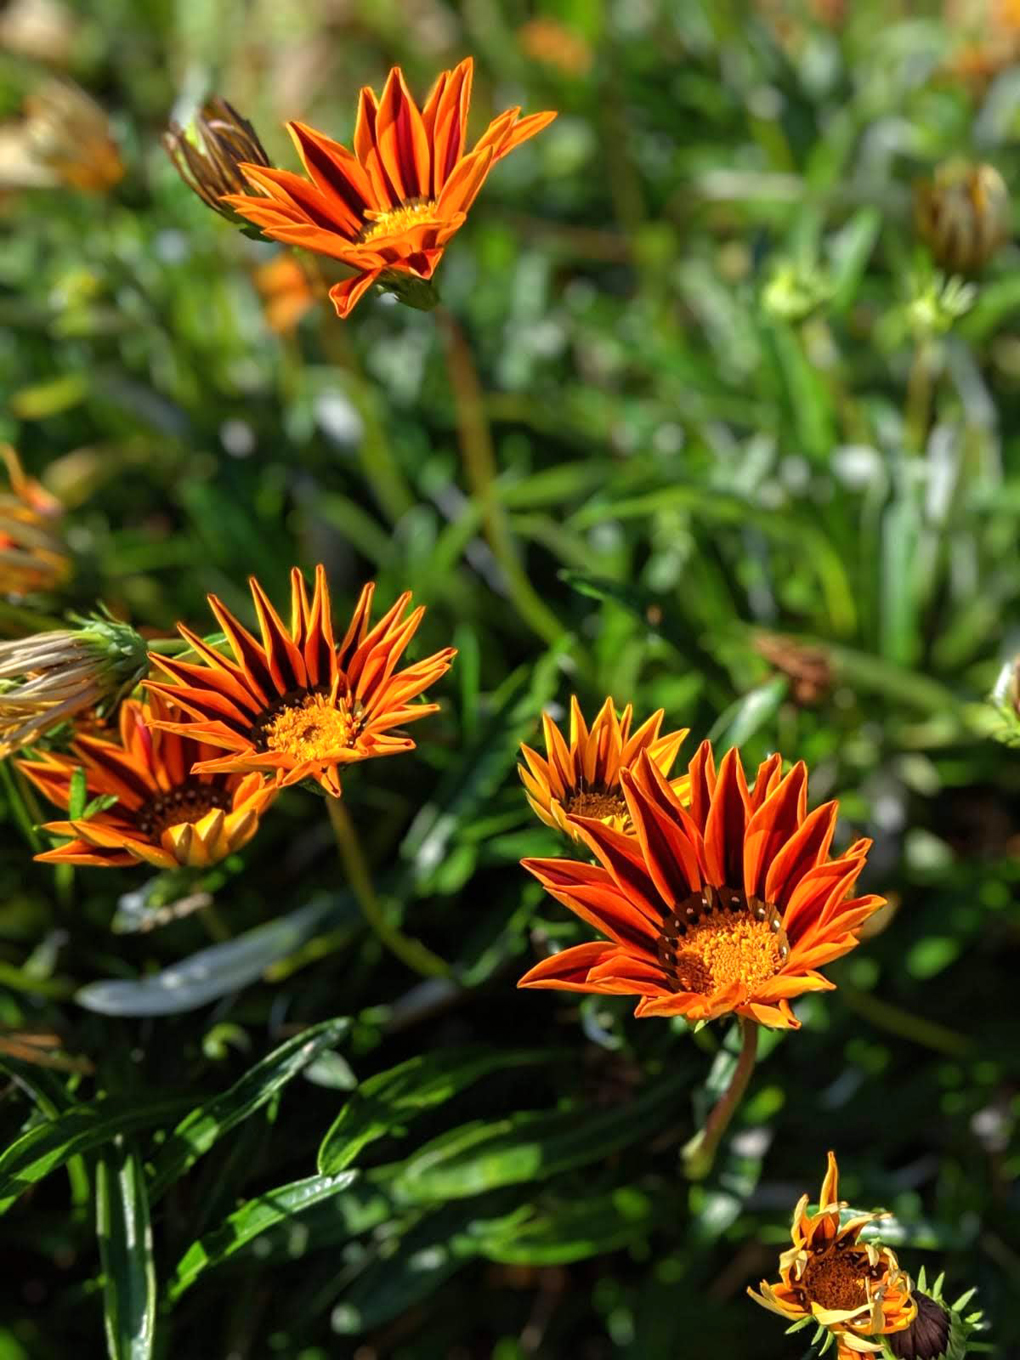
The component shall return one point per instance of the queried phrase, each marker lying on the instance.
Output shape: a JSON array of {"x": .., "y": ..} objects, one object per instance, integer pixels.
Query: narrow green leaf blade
[
  {"x": 526, "y": 1146},
  {"x": 125, "y": 1249},
  {"x": 213, "y": 972},
  {"x": 207, "y": 1123},
  {"x": 390, "y": 1098},
  {"x": 48, "y": 1146},
  {"x": 254, "y": 1217}
]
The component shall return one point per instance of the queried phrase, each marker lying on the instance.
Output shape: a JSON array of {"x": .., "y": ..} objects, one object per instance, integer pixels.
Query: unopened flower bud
[
  {"x": 47, "y": 678},
  {"x": 927, "y": 1337},
  {"x": 963, "y": 214},
  {"x": 213, "y": 169}
]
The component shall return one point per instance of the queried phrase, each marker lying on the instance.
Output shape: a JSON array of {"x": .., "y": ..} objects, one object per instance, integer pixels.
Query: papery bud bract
[
  {"x": 211, "y": 170},
  {"x": 963, "y": 214},
  {"x": 47, "y": 678}
]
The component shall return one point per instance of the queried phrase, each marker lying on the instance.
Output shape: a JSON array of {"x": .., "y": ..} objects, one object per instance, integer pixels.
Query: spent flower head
[
  {"x": 852, "y": 1289},
  {"x": 48, "y": 678}
]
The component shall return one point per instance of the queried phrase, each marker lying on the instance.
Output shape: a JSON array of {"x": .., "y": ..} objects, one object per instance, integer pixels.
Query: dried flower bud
[
  {"x": 963, "y": 214},
  {"x": 808, "y": 668},
  {"x": 68, "y": 135},
  {"x": 31, "y": 556},
  {"x": 213, "y": 169},
  {"x": 48, "y": 678}
]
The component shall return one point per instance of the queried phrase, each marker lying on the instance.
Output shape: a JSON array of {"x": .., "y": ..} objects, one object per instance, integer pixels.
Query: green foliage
[{"x": 728, "y": 394}]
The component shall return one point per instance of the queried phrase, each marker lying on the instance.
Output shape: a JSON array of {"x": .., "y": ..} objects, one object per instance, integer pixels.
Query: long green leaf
[
  {"x": 208, "y": 1122},
  {"x": 384, "y": 1102},
  {"x": 48, "y": 1146},
  {"x": 526, "y": 1146},
  {"x": 255, "y": 1217},
  {"x": 125, "y": 1249},
  {"x": 213, "y": 972},
  {"x": 556, "y": 1234}
]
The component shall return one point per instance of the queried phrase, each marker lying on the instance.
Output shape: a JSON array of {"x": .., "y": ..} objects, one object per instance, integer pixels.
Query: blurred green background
[{"x": 729, "y": 398}]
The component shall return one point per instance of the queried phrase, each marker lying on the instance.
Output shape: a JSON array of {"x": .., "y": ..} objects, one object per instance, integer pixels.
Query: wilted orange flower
[
  {"x": 165, "y": 813},
  {"x": 389, "y": 209},
  {"x": 31, "y": 558},
  {"x": 297, "y": 704},
  {"x": 583, "y": 778},
  {"x": 855, "y": 1289},
  {"x": 728, "y": 907}
]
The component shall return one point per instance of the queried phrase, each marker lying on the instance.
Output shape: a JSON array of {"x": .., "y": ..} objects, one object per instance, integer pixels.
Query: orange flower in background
[
  {"x": 583, "y": 779},
  {"x": 729, "y": 906},
  {"x": 297, "y": 704},
  {"x": 854, "y": 1289},
  {"x": 389, "y": 209},
  {"x": 31, "y": 558},
  {"x": 286, "y": 292},
  {"x": 165, "y": 814}
]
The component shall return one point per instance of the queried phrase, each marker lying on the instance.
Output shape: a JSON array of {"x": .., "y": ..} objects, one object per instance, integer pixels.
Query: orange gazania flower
[
  {"x": 165, "y": 814},
  {"x": 297, "y": 704},
  {"x": 31, "y": 557},
  {"x": 728, "y": 907},
  {"x": 389, "y": 209},
  {"x": 583, "y": 778},
  {"x": 854, "y": 1289}
]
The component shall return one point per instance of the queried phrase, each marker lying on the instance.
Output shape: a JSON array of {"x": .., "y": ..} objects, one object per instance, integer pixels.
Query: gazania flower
[
  {"x": 296, "y": 703},
  {"x": 854, "y": 1289},
  {"x": 389, "y": 209},
  {"x": 164, "y": 815},
  {"x": 286, "y": 292},
  {"x": 583, "y": 778},
  {"x": 47, "y": 678},
  {"x": 31, "y": 557},
  {"x": 729, "y": 907}
]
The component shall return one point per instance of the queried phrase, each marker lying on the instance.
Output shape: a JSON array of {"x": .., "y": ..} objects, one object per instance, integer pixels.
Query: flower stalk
[
  {"x": 412, "y": 952},
  {"x": 699, "y": 1154}
]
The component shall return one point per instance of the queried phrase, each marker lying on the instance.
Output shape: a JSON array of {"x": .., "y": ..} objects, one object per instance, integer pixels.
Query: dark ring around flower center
[{"x": 187, "y": 802}]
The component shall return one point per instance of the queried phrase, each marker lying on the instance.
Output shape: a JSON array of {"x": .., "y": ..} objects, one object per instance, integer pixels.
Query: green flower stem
[
  {"x": 409, "y": 951},
  {"x": 480, "y": 466},
  {"x": 699, "y": 1154}
]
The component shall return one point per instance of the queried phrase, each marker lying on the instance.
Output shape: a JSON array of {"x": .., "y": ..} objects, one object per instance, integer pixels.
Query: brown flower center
[
  {"x": 307, "y": 726},
  {"x": 410, "y": 214},
  {"x": 837, "y": 1279},
  {"x": 719, "y": 936},
  {"x": 599, "y": 803},
  {"x": 188, "y": 802}
]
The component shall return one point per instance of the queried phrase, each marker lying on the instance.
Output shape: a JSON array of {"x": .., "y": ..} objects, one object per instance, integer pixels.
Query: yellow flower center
[
  {"x": 596, "y": 803},
  {"x": 312, "y": 728},
  {"x": 410, "y": 214},
  {"x": 188, "y": 802},
  {"x": 836, "y": 1279},
  {"x": 719, "y": 936}
]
